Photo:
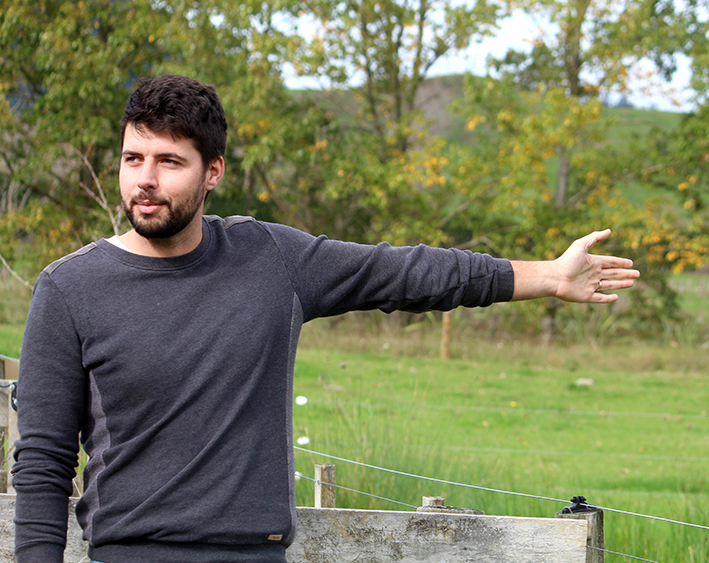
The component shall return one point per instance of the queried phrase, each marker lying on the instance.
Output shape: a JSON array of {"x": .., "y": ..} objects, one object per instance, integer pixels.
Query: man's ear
[{"x": 215, "y": 173}]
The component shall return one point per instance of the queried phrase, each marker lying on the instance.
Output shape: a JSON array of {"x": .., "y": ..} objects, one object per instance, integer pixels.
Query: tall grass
[
  {"x": 14, "y": 305},
  {"x": 513, "y": 417}
]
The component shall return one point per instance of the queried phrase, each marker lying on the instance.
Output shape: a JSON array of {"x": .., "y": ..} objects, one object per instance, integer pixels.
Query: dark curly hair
[{"x": 182, "y": 106}]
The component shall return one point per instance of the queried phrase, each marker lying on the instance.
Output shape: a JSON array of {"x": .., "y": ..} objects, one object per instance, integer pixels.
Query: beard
[{"x": 179, "y": 215}]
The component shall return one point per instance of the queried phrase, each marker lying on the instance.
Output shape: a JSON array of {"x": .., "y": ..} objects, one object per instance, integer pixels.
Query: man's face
[{"x": 163, "y": 182}]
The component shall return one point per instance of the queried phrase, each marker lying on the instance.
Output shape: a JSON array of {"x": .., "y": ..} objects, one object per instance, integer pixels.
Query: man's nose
[{"x": 148, "y": 177}]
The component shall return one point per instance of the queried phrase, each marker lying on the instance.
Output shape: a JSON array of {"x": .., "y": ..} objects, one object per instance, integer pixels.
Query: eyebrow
[{"x": 170, "y": 155}]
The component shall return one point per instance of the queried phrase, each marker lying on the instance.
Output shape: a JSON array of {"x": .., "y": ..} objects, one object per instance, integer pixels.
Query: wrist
[{"x": 534, "y": 279}]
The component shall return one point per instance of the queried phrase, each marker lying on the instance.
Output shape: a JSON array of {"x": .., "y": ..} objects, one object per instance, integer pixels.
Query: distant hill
[{"x": 436, "y": 94}]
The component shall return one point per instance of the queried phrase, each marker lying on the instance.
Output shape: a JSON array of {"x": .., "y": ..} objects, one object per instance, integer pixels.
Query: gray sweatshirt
[{"x": 176, "y": 375}]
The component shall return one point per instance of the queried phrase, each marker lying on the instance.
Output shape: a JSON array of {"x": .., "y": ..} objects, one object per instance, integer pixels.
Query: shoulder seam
[
  {"x": 49, "y": 270},
  {"x": 229, "y": 221}
]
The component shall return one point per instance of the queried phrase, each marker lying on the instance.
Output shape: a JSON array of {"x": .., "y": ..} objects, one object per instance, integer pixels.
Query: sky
[{"x": 517, "y": 32}]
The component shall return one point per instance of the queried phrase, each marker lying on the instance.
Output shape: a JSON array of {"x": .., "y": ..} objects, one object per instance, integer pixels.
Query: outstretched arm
[{"x": 576, "y": 275}]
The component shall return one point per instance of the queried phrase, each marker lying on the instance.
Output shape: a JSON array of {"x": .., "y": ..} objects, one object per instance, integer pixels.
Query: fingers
[
  {"x": 619, "y": 274},
  {"x": 615, "y": 284},
  {"x": 594, "y": 237},
  {"x": 604, "y": 298},
  {"x": 608, "y": 262}
]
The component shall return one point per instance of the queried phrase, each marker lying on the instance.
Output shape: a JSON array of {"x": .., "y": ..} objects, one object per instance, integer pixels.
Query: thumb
[{"x": 594, "y": 237}]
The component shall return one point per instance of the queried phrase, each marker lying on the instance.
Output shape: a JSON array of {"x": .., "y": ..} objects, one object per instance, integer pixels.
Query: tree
[
  {"x": 68, "y": 68},
  {"x": 65, "y": 74},
  {"x": 378, "y": 161},
  {"x": 556, "y": 173}
]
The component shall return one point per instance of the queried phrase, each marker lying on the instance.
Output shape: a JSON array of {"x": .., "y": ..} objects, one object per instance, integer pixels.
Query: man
[{"x": 169, "y": 351}]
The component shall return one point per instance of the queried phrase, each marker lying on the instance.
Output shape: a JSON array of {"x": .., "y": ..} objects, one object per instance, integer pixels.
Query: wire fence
[{"x": 493, "y": 490}]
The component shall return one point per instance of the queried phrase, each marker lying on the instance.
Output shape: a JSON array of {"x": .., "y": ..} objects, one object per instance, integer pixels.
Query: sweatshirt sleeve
[
  {"x": 332, "y": 277},
  {"x": 50, "y": 398}
]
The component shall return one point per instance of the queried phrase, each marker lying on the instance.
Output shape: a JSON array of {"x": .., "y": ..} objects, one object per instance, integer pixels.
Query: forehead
[{"x": 137, "y": 138}]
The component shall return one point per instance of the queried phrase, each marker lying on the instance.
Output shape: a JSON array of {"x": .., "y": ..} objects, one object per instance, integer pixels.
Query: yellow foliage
[
  {"x": 246, "y": 130},
  {"x": 692, "y": 179},
  {"x": 505, "y": 116},
  {"x": 263, "y": 196},
  {"x": 690, "y": 204},
  {"x": 683, "y": 186},
  {"x": 473, "y": 122}
]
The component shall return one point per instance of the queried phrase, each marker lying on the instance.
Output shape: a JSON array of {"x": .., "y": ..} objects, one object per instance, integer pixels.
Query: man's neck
[{"x": 182, "y": 243}]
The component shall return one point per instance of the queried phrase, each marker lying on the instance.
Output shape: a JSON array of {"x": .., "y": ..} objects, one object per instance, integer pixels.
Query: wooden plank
[
  {"x": 9, "y": 367},
  {"x": 345, "y": 536},
  {"x": 332, "y": 535}
]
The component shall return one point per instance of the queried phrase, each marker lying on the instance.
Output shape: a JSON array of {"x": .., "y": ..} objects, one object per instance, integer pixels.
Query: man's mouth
[{"x": 148, "y": 207}]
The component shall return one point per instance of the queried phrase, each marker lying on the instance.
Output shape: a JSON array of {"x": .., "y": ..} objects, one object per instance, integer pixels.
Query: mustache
[{"x": 143, "y": 196}]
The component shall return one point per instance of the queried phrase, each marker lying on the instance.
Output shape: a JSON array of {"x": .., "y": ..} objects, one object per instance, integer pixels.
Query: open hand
[{"x": 584, "y": 277}]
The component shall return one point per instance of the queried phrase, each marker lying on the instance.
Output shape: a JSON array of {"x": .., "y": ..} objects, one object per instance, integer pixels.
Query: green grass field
[{"x": 513, "y": 417}]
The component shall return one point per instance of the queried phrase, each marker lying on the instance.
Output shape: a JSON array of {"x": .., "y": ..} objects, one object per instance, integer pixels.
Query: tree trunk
[
  {"x": 549, "y": 321},
  {"x": 562, "y": 177}
]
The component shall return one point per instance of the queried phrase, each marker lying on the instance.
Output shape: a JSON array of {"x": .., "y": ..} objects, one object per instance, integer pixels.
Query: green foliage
[
  {"x": 378, "y": 163},
  {"x": 548, "y": 171},
  {"x": 360, "y": 162}
]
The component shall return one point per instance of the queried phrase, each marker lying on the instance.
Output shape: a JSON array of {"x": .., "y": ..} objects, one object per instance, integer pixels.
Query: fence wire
[{"x": 501, "y": 491}]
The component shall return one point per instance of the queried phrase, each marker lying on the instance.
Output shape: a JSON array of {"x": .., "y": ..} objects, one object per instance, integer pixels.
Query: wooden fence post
[
  {"x": 594, "y": 540},
  {"x": 438, "y": 504},
  {"x": 325, "y": 494},
  {"x": 9, "y": 368},
  {"x": 8, "y": 421},
  {"x": 446, "y": 330}
]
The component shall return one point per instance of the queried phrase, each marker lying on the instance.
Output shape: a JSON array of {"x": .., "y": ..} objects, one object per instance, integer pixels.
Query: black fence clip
[
  {"x": 13, "y": 395},
  {"x": 579, "y": 504}
]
